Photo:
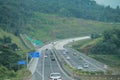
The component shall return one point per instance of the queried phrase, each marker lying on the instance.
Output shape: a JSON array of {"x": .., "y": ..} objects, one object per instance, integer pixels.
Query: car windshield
[{"x": 55, "y": 75}]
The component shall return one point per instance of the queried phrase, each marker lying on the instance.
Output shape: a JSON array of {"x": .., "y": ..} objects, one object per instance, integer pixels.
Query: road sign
[
  {"x": 34, "y": 54},
  {"x": 21, "y": 62},
  {"x": 36, "y": 42}
]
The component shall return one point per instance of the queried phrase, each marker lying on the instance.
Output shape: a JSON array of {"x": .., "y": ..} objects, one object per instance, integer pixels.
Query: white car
[
  {"x": 68, "y": 57},
  {"x": 45, "y": 56},
  {"x": 93, "y": 70},
  {"x": 55, "y": 76},
  {"x": 80, "y": 67},
  {"x": 86, "y": 65}
]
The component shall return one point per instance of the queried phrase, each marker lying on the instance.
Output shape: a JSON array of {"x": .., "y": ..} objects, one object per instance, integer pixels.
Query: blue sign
[
  {"x": 34, "y": 54},
  {"x": 21, "y": 62}
]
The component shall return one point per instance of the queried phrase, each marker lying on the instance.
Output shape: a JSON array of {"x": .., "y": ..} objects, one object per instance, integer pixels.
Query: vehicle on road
[
  {"x": 93, "y": 70},
  {"x": 45, "y": 56},
  {"x": 46, "y": 49},
  {"x": 55, "y": 76},
  {"x": 85, "y": 65},
  {"x": 52, "y": 58},
  {"x": 80, "y": 67},
  {"x": 68, "y": 57}
]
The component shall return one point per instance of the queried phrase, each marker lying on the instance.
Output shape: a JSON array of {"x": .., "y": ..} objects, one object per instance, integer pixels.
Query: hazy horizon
[{"x": 112, "y": 3}]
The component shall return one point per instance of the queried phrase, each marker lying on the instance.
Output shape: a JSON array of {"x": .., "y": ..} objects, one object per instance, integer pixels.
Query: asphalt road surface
[{"x": 46, "y": 65}]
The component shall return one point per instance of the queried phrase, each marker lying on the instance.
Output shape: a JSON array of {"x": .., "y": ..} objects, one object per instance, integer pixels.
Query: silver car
[
  {"x": 68, "y": 57},
  {"x": 80, "y": 67},
  {"x": 86, "y": 65},
  {"x": 55, "y": 76}
]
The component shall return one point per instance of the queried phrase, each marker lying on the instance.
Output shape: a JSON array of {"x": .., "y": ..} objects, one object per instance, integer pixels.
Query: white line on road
[
  {"x": 60, "y": 67},
  {"x": 43, "y": 65}
]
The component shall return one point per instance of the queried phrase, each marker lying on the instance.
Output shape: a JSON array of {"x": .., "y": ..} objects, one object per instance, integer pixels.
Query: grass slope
[
  {"x": 47, "y": 27},
  {"x": 14, "y": 40},
  {"x": 22, "y": 52}
]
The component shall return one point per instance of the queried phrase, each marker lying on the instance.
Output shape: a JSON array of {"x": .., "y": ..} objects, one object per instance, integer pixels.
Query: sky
[{"x": 112, "y": 3}]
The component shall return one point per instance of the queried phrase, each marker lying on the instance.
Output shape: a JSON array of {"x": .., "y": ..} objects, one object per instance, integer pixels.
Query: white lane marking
[
  {"x": 92, "y": 64},
  {"x": 39, "y": 73},
  {"x": 61, "y": 68},
  {"x": 50, "y": 63},
  {"x": 43, "y": 65},
  {"x": 86, "y": 60}
]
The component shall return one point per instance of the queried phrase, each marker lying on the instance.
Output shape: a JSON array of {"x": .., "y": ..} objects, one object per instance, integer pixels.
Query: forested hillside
[
  {"x": 110, "y": 44},
  {"x": 86, "y": 9},
  {"x": 14, "y": 14},
  {"x": 11, "y": 51}
]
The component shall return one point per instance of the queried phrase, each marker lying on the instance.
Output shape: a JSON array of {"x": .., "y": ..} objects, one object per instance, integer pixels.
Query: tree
[
  {"x": 110, "y": 44},
  {"x": 6, "y": 40},
  {"x": 8, "y": 57}
]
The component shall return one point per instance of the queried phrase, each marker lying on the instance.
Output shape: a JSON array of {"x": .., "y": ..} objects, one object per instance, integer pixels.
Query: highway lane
[
  {"x": 75, "y": 60},
  {"x": 38, "y": 74},
  {"x": 52, "y": 66},
  {"x": 46, "y": 66},
  {"x": 38, "y": 70}
]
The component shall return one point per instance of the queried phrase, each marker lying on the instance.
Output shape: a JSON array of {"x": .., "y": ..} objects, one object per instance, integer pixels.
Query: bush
[{"x": 5, "y": 73}]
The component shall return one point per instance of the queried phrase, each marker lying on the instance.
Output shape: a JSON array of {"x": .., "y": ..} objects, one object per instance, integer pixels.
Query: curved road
[{"x": 46, "y": 66}]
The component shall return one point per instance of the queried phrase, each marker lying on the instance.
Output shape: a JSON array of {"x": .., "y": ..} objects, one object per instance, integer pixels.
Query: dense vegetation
[
  {"x": 11, "y": 51},
  {"x": 87, "y": 9},
  {"x": 106, "y": 43},
  {"x": 14, "y": 14},
  {"x": 110, "y": 44}
]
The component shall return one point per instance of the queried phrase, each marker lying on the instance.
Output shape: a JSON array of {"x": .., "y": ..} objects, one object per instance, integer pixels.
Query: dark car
[{"x": 52, "y": 58}]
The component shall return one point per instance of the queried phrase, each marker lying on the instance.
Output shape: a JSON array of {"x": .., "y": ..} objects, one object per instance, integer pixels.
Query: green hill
[
  {"x": 10, "y": 55},
  {"x": 47, "y": 26},
  {"x": 14, "y": 39},
  {"x": 14, "y": 14}
]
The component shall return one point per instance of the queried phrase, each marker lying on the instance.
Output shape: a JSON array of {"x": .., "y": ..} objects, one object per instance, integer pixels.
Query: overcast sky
[{"x": 112, "y": 3}]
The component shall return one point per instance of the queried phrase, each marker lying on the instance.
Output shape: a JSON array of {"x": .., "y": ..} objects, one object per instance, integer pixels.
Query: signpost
[
  {"x": 34, "y": 54},
  {"x": 35, "y": 42},
  {"x": 21, "y": 62}
]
